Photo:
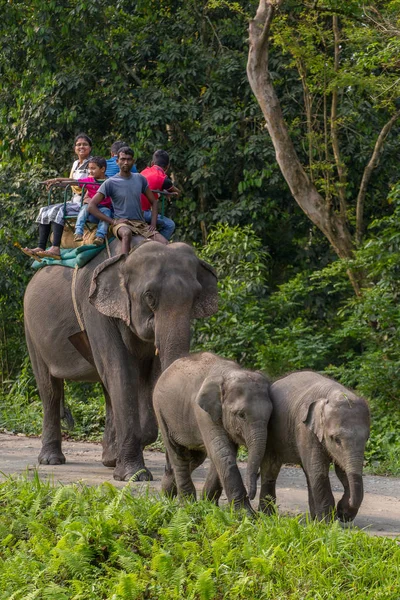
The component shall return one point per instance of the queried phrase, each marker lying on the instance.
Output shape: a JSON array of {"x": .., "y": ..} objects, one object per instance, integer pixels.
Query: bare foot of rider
[{"x": 52, "y": 252}]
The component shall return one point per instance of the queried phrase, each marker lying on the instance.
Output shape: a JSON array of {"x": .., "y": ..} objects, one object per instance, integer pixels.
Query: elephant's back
[
  {"x": 48, "y": 299},
  {"x": 187, "y": 374},
  {"x": 48, "y": 285},
  {"x": 184, "y": 375}
]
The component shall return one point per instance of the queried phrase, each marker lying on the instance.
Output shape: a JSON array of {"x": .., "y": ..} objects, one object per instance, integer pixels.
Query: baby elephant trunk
[
  {"x": 256, "y": 454},
  {"x": 347, "y": 510}
]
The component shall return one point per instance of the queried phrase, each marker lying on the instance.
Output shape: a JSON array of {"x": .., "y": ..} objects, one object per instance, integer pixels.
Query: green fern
[{"x": 75, "y": 548}]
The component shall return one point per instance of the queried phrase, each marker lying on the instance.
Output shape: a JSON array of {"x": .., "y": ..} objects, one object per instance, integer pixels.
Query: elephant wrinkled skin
[
  {"x": 208, "y": 406},
  {"x": 317, "y": 421},
  {"x": 130, "y": 307}
]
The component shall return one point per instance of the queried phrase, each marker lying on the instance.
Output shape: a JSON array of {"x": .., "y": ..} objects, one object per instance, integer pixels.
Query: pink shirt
[{"x": 93, "y": 189}]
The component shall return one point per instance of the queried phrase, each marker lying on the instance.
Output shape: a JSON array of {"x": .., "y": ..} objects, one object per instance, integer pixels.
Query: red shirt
[
  {"x": 156, "y": 177},
  {"x": 93, "y": 189}
]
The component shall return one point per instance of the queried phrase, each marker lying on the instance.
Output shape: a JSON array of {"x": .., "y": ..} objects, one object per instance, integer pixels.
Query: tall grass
[{"x": 81, "y": 543}]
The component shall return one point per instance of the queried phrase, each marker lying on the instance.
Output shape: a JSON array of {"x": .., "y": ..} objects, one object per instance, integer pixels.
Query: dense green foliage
[
  {"x": 172, "y": 74},
  {"x": 72, "y": 542}
]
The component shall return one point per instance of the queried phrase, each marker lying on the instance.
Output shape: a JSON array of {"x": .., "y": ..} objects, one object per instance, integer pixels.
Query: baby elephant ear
[
  {"x": 313, "y": 417},
  {"x": 209, "y": 397}
]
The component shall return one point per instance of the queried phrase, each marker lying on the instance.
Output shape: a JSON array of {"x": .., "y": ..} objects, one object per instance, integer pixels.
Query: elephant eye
[
  {"x": 336, "y": 439},
  {"x": 241, "y": 414},
  {"x": 150, "y": 299}
]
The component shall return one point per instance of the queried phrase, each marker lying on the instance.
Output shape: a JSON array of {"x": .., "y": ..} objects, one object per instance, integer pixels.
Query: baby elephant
[
  {"x": 208, "y": 406},
  {"x": 316, "y": 421}
]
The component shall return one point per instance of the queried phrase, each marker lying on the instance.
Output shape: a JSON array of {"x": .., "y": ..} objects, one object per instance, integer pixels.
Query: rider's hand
[{"x": 50, "y": 182}]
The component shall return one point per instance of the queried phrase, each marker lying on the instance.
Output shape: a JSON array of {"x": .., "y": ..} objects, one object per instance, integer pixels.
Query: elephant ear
[
  {"x": 108, "y": 292},
  {"x": 313, "y": 417},
  {"x": 209, "y": 397},
  {"x": 206, "y": 304}
]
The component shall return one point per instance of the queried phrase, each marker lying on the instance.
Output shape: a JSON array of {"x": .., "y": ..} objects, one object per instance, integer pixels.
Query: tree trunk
[{"x": 332, "y": 225}]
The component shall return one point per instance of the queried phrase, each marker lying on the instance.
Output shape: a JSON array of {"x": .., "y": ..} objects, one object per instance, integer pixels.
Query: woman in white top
[{"x": 54, "y": 214}]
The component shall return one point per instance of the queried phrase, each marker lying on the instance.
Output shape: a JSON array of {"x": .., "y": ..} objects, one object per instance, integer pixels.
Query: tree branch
[
  {"x": 333, "y": 226},
  {"x": 335, "y": 141},
  {"x": 384, "y": 25},
  {"x": 261, "y": 24},
  {"x": 373, "y": 163}
]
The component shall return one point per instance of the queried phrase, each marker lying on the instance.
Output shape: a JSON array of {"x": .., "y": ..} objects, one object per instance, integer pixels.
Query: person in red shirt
[{"x": 159, "y": 180}]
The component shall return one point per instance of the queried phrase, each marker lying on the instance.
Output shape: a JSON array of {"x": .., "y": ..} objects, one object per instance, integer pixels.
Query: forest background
[{"x": 172, "y": 74}]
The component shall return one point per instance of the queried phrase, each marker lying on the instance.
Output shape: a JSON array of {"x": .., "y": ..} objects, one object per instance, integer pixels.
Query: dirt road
[{"x": 379, "y": 513}]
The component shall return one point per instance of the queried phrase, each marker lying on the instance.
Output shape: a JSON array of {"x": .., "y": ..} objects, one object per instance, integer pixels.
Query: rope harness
[{"x": 73, "y": 289}]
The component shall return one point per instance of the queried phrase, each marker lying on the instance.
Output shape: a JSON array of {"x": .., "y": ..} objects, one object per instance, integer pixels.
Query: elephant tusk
[{"x": 157, "y": 352}]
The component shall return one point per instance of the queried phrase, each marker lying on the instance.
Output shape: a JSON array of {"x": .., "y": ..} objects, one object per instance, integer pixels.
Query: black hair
[
  {"x": 126, "y": 150},
  {"x": 99, "y": 161},
  {"x": 84, "y": 137},
  {"x": 161, "y": 158},
  {"x": 116, "y": 146}
]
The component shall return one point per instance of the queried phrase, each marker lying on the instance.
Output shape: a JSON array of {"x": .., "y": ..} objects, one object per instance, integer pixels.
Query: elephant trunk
[
  {"x": 347, "y": 511},
  {"x": 256, "y": 454},
  {"x": 172, "y": 337},
  {"x": 352, "y": 481}
]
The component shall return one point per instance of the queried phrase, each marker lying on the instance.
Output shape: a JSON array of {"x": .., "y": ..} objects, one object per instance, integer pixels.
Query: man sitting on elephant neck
[{"x": 125, "y": 190}]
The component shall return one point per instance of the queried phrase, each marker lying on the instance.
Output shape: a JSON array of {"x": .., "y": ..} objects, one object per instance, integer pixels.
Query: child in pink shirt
[{"x": 97, "y": 171}]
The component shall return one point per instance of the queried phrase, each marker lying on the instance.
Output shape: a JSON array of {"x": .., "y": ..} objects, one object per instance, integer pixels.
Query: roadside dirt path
[{"x": 379, "y": 513}]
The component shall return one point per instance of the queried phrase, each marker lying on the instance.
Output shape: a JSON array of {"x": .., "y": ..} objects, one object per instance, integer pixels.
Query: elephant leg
[
  {"x": 149, "y": 372},
  {"x": 222, "y": 452},
  {"x": 177, "y": 477},
  {"x": 270, "y": 468},
  {"x": 168, "y": 483},
  {"x": 212, "y": 489},
  {"x": 122, "y": 386},
  {"x": 197, "y": 457},
  {"x": 343, "y": 504},
  {"x": 181, "y": 461},
  {"x": 109, "y": 455},
  {"x": 51, "y": 392},
  {"x": 311, "y": 503},
  {"x": 322, "y": 506}
]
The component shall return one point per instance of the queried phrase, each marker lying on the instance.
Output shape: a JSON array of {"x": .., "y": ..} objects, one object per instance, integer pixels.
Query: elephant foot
[
  {"x": 109, "y": 454},
  {"x": 213, "y": 497},
  {"x": 134, "y": 475},
  {"x": 268, "y": 507},
  {"x": 168, "y": 484},
  {"x": 327, "y": 516},
  {"x": 108, "y": 458},
  {"x": 50, "y": 456},
  {"x": 244, "y": 503},
  {"x": 345, "y": 512}
]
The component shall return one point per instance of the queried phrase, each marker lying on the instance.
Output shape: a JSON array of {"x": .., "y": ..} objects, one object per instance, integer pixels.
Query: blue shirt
[{"x": 113, "y": 168}]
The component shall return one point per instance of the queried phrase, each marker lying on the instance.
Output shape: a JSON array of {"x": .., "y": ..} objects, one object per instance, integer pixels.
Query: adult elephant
[{"x": 136, "y": 311}]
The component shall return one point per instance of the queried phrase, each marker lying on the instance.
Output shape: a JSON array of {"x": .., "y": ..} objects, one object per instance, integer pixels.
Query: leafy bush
[
  {"x": 69, "y": 542},
  {"x": 314, "y": 321},
  {"x": 241, "y": 264}
]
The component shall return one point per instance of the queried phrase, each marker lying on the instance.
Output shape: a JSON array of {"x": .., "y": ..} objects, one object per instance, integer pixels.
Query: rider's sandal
[
  {"x": 28, "y": 252},
  {"x": 47, "y": 254},
  {"x": 98, "y": 241}
]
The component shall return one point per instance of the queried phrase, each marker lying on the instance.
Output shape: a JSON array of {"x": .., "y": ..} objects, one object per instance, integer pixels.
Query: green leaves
[{"x": 73, "y": 549}]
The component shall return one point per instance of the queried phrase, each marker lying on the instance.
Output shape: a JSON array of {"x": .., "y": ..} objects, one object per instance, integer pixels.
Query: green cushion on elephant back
[{"x": 71, "y": 257}]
